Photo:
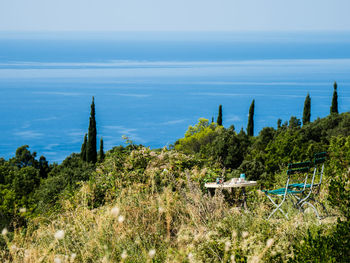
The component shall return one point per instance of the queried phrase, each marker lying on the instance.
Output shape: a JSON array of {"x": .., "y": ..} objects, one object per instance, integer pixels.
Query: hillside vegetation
[{"x": 143, "y": 205}]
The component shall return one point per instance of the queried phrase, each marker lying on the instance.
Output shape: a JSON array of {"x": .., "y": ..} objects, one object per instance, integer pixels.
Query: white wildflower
[
  {"x": 232, "y": 258},
  {"x": 160, "y": 209},
  {"x": 227, "y": 245},
  {"x": 151, "y": 253},
  {"x": 59, "y": 234},
  {"x": 13, "y": 247},
  {"x": 245, "y": 234},
  {"x": 269, "y": 242},
  {"x": 124, "y": 255},
  {"x": 115, "y": 211},
  {"x": 57, "y": 260},
  {"x": 23, "y": 210},
  {"x": 4, "y": 232},
  {"x": 190, "y": 257},
  {"x": 73, "y": 256},
  {"x": 121, "y": 219},
  {"x": 234, "y": 234}
]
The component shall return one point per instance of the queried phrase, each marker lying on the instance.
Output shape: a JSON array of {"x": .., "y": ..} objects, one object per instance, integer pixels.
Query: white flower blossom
[
  {"x": 124, "y": 255},
  {"x": 227, "y": 245},
  {"x": 4, "y": 232},
  {"x": 115, "y": 211},
  {"x": 59, "y": 234},
  {"x": 269, "y": 242},
  {"x": 245, "y": 234},
  {"x": 73, "y": 256},
  {"x": 152, "y": 253},
  {"x": 121, "y": 219}
]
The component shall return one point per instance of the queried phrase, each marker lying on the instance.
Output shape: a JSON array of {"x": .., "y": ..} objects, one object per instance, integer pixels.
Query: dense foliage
[{"x": 164, "y": 206}]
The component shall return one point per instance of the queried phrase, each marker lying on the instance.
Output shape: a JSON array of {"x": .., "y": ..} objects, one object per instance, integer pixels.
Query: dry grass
[{"x": 143, "y": 224}]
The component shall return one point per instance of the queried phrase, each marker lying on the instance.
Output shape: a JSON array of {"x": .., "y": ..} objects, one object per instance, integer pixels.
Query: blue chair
[
  {"x": 311, "y": 190},
  {"x": 293, "y": 191}
]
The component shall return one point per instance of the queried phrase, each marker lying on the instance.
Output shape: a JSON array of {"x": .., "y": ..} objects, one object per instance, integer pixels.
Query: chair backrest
[
  {"x": 299, "y": 169},
  {"x": 320, "y": 158}
]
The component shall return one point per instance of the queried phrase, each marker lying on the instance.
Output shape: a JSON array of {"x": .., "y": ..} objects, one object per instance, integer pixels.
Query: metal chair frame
[
  {"x": 300, "y": 193},
  {"x": 289, "y": 191}
]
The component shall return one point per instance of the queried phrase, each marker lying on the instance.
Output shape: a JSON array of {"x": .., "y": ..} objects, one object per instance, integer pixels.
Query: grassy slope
[{"x": 158, "y": 204}]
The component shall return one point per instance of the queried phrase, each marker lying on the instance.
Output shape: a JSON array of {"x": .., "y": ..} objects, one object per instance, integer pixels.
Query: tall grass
[{"x": 163, "y": 217}]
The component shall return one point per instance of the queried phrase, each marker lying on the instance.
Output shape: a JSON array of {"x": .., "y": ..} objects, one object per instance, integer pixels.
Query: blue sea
[{"x": 150, "y": 86}]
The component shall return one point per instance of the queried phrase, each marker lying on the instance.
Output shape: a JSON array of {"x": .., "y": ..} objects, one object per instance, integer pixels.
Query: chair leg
[
  {"x": 278, "y": 207},
  {"x": 321, "y": 204},
  {"x": 316, "y": 212}
]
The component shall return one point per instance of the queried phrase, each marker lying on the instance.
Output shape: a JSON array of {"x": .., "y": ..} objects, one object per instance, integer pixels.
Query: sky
[{"x": 174, "y": 15}]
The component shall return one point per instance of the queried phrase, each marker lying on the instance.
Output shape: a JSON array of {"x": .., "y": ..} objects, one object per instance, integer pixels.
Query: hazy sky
[{"x": 170, "y": 15}]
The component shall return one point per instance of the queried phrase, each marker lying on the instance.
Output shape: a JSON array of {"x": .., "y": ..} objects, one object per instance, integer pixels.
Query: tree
[
  {"x": 307, "y": 110},
  {"x": 102, "y": 154},
  {"x": 279, "y": 123},
  {"x": 219, "y": 120},
  {"x": 91, "y": 152},
  {"x": 44, "y": 168},
  {"x": 334, "y": 107},
  {"x": 24, "y": 157},
  {"x": 250, "y": 127},
  {"x": 83, "y": 148},
  {"x": 294, "y": 123}
]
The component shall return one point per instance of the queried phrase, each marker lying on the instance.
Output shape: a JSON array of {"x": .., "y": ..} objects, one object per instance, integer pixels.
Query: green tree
[
  {"x": 250, "y": 127},
  {"x": 294, "y": 122},
  {"x": 334, "y": 107},
  {"x": 24, "y": 157},
  {"x": 279, "y": 123},
  {"x": 102, "y": 154},
  {"x": 219, "y": 120},
  {"x": 91, "y": 152},
  {"x": 44, "y": 168},
  {"x": 307, "y": 110},
  {"x": 83, "y": 149}
]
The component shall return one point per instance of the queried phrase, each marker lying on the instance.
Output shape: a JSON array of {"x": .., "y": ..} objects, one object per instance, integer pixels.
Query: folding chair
[
  {"x": 310, "y": 190},
  {"x": 294, "y": 170}
]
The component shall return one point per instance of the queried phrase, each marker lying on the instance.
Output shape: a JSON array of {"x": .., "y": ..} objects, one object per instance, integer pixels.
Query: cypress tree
[
  {"x": 83, "y": 149},
  {"x": 307, "y": 110},
  {"x": 102, "y": 154},
  {"x": 334, "y": 107},
  {"x": 279, "y": 122},
  {"x": 91, "y": 153},
  {"x": 250, "y": 127},
  {"x": 219, "y": 120}
]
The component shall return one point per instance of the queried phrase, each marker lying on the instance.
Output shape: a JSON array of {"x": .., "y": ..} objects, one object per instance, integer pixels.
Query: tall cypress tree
[
  {"x": 307, "y": 110},
  {"x": 83, "y": 149},
  {"x": 91, "y": 153},
  {"x": 219, "y": 120},
  {"x": 334, "y": 107},
  {"x": 102, "y": 153},
  {"x": 250, "y": 127}
]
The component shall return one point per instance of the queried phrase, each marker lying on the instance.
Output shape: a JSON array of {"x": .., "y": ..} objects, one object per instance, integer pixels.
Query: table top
[{"x": 231, "y": 184}]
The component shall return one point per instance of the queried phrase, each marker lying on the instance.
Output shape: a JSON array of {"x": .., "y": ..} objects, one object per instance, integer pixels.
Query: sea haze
[{"x": 152, "y": 86}]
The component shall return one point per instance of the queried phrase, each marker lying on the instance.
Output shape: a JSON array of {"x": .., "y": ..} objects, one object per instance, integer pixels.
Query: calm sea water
[{"x": 152, "y": 86}]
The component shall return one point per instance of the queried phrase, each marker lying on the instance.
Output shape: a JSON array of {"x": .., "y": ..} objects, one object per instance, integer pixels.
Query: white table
[{"x": 232, "y": 184}]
